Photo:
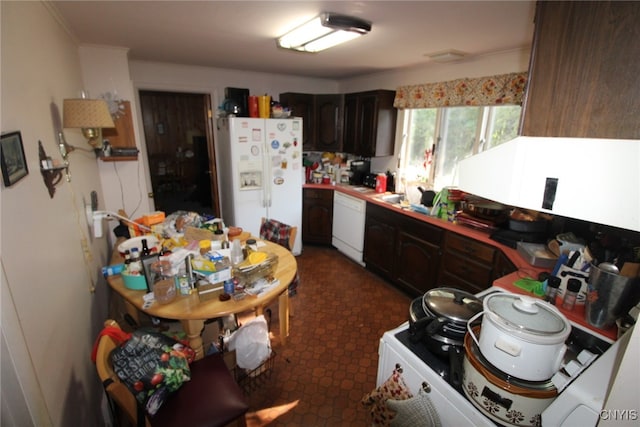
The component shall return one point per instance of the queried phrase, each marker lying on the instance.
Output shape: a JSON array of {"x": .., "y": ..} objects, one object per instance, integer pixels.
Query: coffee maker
[{"x": 359, "y": 170}]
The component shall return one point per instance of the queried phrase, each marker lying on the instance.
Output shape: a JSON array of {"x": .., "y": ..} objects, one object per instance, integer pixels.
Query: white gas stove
[{"x": 423, "y": 369}]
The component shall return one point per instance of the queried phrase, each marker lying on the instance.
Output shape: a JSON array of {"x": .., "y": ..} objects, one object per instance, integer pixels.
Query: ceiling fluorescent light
[
  {"x": 446, "y": 56},
  {"x": 324, "y": 31}
]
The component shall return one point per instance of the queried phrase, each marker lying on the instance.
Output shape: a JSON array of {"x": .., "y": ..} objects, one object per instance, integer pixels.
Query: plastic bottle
[
  {"x": 135, "y": 264},
  {"x": 236, "y": 252},
  {"x": 573, "y": 287}
]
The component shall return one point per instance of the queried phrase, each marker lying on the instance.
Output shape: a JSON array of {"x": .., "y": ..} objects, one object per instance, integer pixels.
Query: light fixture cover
[
  {"x": 86, "y": 113},
  {"x": 446, "y": 56},
  {"x": 324, "y": 31}
]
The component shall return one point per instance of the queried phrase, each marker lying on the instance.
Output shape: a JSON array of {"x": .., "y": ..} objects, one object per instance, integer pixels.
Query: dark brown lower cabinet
[
  {"x": 471, "y": 265},
  {"x": 417, "y": 256},
  {"x": 317, "y": 215},
  {"x": 402, "y": 249}
]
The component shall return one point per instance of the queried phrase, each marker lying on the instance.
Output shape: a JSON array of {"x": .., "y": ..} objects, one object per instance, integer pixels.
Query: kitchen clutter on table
[{"x": 189, "y": 254}]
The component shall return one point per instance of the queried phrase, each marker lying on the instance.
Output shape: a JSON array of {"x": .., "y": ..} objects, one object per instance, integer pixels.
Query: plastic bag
[{"x": 251, "y": 343}]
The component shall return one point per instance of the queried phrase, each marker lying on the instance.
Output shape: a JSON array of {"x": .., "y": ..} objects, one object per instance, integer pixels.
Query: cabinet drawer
[
  {"x": 422, "y": 230},
  {"x": 317, "y": 194},
  {"x": 469, "y": 271},
  {"x": 471, "y": 248}
]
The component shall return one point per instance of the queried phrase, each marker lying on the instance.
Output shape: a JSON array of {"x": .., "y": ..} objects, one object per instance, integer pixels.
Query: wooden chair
[
  {"x": 212, "y": 398},
  {"x": 293, "y": 231},
  {"x": 283, "y": 240}
]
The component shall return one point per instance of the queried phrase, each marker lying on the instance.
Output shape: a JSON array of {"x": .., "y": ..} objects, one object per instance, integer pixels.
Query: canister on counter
[{"x": 381, "y": 183}]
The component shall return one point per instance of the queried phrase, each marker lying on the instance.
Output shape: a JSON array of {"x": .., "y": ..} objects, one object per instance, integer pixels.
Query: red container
[
  {"x": 253, "y": 106},
  {"x": 381, "y": 183}
]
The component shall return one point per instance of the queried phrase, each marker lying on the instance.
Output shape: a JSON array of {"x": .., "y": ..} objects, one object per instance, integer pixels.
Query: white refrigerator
[{"x": 260, "y": 172}]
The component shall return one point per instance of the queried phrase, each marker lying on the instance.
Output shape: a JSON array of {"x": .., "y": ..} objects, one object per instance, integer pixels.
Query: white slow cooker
[{"x": 522, "y": 336}]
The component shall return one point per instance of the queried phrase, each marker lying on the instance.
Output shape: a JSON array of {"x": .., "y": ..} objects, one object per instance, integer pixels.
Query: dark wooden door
[{"x": 179, "y": 142}]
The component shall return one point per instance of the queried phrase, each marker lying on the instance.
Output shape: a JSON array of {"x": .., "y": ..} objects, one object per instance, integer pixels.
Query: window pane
[
  {"x": 504, "y": 124},
  {"x": 458, "y": 139},
  {"x": 421, "y": 137}
]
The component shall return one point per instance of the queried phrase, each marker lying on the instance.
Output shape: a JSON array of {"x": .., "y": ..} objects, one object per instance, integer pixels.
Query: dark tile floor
[{"x": 330, "y": 359}]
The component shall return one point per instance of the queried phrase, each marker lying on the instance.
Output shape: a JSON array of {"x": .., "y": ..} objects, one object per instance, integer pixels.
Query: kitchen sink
[{"x": 392, "y": 198}]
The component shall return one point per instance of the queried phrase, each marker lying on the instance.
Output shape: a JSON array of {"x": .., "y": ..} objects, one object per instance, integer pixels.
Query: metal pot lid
[
  {"x": 526, "y": 315},
  {"x": 453, "y": 304}
]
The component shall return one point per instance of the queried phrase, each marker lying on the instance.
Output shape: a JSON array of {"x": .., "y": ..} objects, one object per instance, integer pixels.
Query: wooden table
[{"x": 192, "y": 312}]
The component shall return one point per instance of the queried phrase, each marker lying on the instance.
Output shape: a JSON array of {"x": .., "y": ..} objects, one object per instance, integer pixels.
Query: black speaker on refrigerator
[{"x": 240, "y": 97}]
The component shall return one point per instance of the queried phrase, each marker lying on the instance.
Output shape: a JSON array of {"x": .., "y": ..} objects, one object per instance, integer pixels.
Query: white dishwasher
[{"x": 348, "y": 225}]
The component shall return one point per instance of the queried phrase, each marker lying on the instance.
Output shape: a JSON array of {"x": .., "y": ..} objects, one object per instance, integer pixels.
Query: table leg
[
  {"x": 132, "y": 311},
  {"x": 283, "y": 305},
  {"x": 193, "y": 329}
]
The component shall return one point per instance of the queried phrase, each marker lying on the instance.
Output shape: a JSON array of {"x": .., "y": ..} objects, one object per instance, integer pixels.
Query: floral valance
[{"x": 491, "y": 90}]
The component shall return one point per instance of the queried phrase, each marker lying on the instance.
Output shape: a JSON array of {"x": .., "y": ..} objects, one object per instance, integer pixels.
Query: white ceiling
[{"x": 241, "y": 34}]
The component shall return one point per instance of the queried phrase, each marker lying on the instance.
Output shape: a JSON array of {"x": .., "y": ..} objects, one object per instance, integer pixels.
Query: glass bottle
[{"x": 145, "y": 248}]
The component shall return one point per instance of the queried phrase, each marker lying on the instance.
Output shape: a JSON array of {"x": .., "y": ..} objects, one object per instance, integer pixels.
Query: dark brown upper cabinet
[
  {"x": 583, "y": 72},
  {"x": 321, "y": 119},
  {"x": 369, "y": 123}
]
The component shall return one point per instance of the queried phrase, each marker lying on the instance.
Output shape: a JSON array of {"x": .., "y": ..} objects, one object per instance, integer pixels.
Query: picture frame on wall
[{"x": 12, "y": 158}]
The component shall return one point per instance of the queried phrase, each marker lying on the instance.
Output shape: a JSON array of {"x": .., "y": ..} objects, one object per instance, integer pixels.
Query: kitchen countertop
[
  {"x": 371, "y": 196},
  {"x": 524, "y": 268}
]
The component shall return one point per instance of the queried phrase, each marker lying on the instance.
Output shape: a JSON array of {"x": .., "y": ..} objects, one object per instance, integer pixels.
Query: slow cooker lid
[
  {"x": 453, "y": 304},
  {"x": 526, "y": 314}
]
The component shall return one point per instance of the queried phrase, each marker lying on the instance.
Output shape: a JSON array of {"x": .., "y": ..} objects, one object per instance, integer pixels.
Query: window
[{"x": 436, "y": 139}]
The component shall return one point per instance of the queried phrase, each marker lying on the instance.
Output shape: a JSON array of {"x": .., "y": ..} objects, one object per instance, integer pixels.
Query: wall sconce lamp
[
  {"x": 90, "y": 115},
  {"x": 324, "y": 31}
]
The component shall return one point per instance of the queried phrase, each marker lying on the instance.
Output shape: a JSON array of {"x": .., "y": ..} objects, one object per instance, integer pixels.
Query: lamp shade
[{"x": 86, "y": 113}]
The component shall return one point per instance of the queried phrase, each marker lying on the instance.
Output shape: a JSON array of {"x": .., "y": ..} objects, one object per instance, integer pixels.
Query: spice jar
[
  {"x": 573, "y": 287},
  {"x": 553, "y": 283}
]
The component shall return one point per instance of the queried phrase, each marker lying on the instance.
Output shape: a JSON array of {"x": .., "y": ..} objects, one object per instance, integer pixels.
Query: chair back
[
  {"x": 116, "y": 390},
  {"x": 278, "y": 232}
]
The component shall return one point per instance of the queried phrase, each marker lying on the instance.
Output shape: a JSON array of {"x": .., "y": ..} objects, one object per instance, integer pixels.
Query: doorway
[{"x": 179, "y": 141}]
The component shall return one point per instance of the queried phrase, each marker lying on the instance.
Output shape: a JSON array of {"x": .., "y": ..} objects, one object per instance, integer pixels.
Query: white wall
[
  {"x": 126, "y": 184},
  {"x": 51, "y": 312}
]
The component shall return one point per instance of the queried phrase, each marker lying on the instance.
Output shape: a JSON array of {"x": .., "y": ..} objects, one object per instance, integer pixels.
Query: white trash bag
[{"x": 251, "y": 343}]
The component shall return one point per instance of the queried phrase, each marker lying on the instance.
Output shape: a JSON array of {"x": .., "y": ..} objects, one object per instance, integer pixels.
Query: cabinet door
[
  {"x": 350, "y": 124},
  {"x": 379, "y": 240},
  {"x": 317, "y": 216},
  {"x": 583, "y": 71},
  {"x": 302, "y": 105},
  {"x": 502, "y": 266},
  {"x": 366, "y": 123},
  {"x": 417, "y": 262},
  {"x": 328, "y": 118}
]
